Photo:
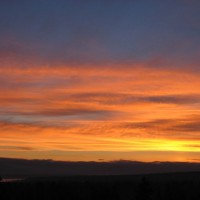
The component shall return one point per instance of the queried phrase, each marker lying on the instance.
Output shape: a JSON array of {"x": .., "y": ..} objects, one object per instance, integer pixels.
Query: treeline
[{"x": 104, "y": 190}]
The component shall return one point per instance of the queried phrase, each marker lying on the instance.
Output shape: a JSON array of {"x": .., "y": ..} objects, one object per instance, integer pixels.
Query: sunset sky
[{"x": 100, "y": 80}]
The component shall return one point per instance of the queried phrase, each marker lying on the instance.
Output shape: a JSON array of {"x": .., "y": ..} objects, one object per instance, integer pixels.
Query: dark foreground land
[{"x": 172, "y": 186}]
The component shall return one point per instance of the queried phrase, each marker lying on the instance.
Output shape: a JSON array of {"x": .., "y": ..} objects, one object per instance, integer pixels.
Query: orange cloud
[{"x": 98, "y": 108}]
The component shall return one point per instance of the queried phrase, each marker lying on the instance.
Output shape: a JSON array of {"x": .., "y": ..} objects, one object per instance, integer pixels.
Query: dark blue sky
[{"x": 102, "y": 31}]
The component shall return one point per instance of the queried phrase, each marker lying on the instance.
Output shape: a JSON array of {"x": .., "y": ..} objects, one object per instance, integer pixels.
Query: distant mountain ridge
[{"x": 17, "y": 168}]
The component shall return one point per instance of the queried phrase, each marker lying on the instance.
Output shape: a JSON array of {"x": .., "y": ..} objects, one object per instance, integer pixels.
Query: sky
[{"x": 100, "y": 80}]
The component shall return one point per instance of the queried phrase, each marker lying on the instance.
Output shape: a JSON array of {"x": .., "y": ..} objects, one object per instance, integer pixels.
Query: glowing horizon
[{"x": 134, "y": 111}]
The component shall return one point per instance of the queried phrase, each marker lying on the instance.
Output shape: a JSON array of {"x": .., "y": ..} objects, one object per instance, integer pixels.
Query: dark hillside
[{"x": 170, "y": 186}]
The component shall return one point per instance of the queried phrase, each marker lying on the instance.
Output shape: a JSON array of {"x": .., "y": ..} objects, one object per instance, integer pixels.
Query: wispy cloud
[{"x": 98, "y": 108}]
